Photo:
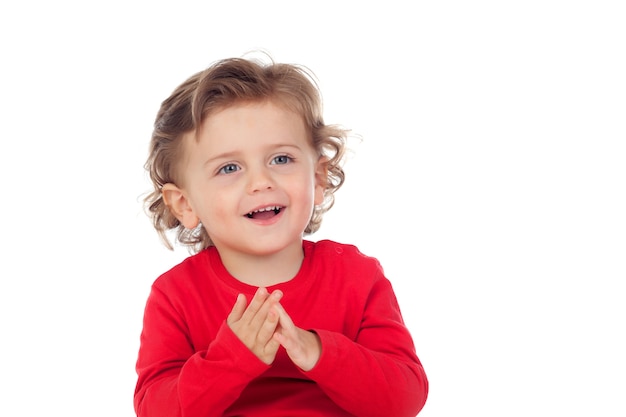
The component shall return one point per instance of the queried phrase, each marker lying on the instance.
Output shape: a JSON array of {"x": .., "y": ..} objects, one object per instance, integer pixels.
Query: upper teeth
[{"x": 271, "y": 208}]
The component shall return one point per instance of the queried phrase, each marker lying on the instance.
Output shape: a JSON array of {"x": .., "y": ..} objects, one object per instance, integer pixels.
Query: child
[{"x": 260, "y": 321}]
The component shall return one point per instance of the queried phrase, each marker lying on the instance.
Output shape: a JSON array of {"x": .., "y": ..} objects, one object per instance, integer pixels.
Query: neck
[{"x": 263, "y": 270}]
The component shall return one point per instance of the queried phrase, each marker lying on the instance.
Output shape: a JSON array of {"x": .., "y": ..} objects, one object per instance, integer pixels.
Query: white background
[{"x": 490, "y": 182}]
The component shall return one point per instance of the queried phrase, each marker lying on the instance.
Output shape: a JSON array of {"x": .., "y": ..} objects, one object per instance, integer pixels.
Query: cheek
[
  {"x": 222, "y": 202},
  {"x": 212, "y": 204},
  {"x": 216, "y": 218},
  {"x": 309, "y": 193}
]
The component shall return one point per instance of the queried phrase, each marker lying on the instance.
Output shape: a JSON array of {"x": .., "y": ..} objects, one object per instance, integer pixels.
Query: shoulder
[
  {"x": 346, "y": 272},
  {"x": 330, "y": 247},
  {"x": 184, "y": 273},
  {"x": 341, "y": 254}
]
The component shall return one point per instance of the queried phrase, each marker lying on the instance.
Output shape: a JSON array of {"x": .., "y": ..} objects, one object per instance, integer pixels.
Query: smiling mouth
[{"x": 264, "y": 213}]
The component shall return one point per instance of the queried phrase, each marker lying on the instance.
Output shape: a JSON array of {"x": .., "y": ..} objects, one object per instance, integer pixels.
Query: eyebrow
[{"x": 225, "y": 155}]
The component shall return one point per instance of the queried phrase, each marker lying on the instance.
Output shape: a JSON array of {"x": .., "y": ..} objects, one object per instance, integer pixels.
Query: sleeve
[
  {"x": 379, "y": 373},
  {"x": 174, "y": 380}
]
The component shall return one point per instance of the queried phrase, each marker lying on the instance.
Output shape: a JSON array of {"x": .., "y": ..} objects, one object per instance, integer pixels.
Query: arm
[
  {"x": 174, "y": 379},
  {"x": 378, "y": 374}
]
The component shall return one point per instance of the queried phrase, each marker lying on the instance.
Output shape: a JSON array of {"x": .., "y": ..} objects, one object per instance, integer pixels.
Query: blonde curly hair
[{"x": 223, "y": 84}]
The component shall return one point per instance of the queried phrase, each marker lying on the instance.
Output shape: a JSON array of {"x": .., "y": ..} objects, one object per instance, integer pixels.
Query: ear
[
  {"x": 178, "y": 203},
  {"x": 321, "y": 179}
]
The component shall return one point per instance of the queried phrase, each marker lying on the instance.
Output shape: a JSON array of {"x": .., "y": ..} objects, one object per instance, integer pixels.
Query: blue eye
[
  {"x": 228, "y": 169},
  {"x": 281, "y": 160}
]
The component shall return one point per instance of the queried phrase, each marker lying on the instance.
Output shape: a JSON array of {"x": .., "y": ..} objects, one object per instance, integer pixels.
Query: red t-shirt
[{"x": 191, "y": 364}]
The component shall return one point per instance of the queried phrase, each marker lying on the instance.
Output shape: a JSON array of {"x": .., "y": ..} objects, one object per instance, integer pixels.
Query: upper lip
[{"x": 265, "y": 208}]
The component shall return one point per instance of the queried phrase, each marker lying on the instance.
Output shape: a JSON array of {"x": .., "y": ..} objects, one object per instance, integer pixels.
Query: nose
[{"x": 260, "y": 179}]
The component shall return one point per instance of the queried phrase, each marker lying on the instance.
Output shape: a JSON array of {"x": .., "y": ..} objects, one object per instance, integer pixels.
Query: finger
[
  {"x": 284, "y": 319},
  {"x": 268, "y": 327},
  {"x": 264, "y": 323},
  {"x": 303, "y": 347},
  {"x": 261, "y": 314},
  {"x": 286, "y": 332},
  {"x": 238, "y": 309},
  {"x": 256, "y": 304},
  {"x": 271, "y": 347}
]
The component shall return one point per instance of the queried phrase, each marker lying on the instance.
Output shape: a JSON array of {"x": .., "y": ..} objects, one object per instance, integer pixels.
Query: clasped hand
[{"x": 264, "y": 326}]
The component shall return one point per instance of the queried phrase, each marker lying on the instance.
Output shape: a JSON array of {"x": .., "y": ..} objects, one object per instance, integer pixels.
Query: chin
[{"x": 271, "y": 246}]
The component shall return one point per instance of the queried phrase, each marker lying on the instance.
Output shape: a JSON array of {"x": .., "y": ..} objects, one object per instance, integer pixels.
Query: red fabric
[{"x": 190, "y": 363}]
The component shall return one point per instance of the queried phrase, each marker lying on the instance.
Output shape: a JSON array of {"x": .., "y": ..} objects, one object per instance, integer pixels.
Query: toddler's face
[{"x": 252, "y": 178}]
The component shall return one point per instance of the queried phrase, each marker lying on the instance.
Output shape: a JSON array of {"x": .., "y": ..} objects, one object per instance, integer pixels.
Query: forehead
[{"x": 251, "y": 122}]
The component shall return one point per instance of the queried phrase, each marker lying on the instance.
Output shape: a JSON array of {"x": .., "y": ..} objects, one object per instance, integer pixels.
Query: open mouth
[{"x": 264, "y": 213}]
